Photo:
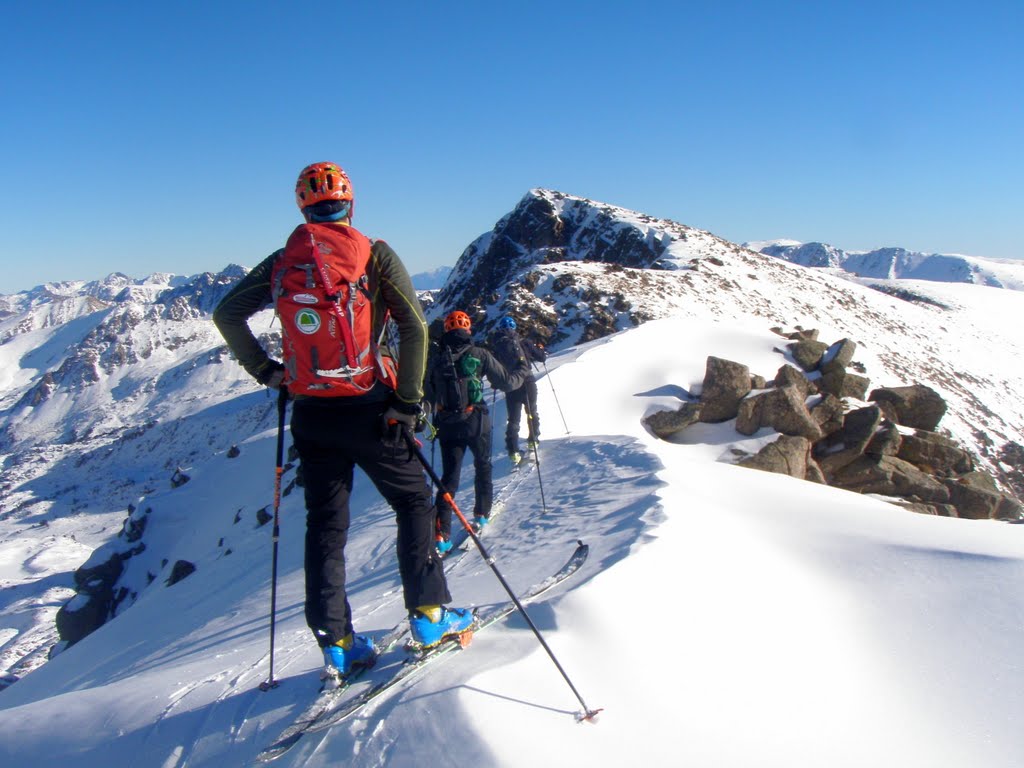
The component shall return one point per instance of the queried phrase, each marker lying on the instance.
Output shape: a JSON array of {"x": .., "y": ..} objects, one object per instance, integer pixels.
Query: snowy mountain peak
[{"x": 551, "y": 242}]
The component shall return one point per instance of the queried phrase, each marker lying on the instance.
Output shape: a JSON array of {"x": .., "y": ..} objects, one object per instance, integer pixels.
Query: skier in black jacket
[
  {"x": 454, "y": 391},
  {"x": 509, "y": 348}
]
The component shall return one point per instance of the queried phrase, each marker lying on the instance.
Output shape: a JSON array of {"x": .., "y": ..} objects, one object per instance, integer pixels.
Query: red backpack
[{"x": 321, "y": 294}]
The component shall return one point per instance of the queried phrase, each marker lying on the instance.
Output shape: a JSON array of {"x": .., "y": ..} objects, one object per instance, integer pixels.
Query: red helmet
[
  {"x": 457, "y": 319},
  {"x": 322, "y": 181}
]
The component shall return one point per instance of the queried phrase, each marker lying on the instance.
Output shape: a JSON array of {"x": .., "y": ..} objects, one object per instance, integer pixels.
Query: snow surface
[{"x": 725, "y": 617}]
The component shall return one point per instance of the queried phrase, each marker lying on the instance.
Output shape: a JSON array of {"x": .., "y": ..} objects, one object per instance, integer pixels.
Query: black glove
[
  {"x": 399, "y": 415},
  {"x": 271, "y": 375}
]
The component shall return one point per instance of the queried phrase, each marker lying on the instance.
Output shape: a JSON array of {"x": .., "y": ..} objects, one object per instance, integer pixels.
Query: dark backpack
[
  {"x": 463, "y": 390},
  {"x": 507, "y": 348},
  {"x": 321, "y": 294}
]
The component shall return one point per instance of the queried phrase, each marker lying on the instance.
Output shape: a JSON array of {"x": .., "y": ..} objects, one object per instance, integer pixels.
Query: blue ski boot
[
  {"x": 430, "y": 624},
  {"x": 444, "y": 546},
  {"x": 479, "y": 522},
  {"x": 349, "y": 653}
]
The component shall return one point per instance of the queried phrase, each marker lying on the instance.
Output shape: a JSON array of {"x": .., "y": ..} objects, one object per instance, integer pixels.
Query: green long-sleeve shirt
[{"x": 390, "y": 288}]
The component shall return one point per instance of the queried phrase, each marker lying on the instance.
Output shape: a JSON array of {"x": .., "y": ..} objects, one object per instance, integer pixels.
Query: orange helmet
[
  {"x": 322, "y": 181},
  {"x": 457, "y": 319}
]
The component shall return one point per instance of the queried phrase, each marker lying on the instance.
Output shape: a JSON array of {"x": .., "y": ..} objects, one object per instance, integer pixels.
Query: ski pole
[
  {"x": 588, "y": 713},
  {"x": 547, "y": 375},
  {"x": 433, "y": 443},
  {"x": 536, "y": 458},
  {"x": 282, "y": 405}
]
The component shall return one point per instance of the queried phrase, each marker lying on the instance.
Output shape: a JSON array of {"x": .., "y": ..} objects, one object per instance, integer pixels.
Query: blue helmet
[{"x": 507, "y": 322}]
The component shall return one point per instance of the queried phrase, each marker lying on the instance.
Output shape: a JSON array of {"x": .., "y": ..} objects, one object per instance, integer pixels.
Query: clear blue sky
[{"x": 142, "y": 137}]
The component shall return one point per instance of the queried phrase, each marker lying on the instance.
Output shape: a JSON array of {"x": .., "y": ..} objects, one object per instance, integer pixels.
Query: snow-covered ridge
[{"x": 107, "y": 388}]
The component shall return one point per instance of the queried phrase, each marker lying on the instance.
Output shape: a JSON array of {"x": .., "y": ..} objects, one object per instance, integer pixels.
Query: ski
[
  {"x": 484, "y": 618},
  {"x": 341, "y": 708},
  {"x": 328, "y": 698},
  {"x": 464, "y": 542}
]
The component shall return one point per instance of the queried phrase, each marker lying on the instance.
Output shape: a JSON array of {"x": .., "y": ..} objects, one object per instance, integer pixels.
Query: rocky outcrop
[
  {"x": 179, "y": 478},
  {"x": 784, "y": 409},
  {"x": 182, "y": 569},
  {"x": 725, "y": 385},
  {"x": 667, "y": 423},
  {"x": 90, "y": 608},
  {"x": 787, "y": 456},
  {"x": 918, "y": 406},
  {"x": 887, "y": 445},
  {"x": 100, "y": 583},
  {"x": 96, "y": 582}
]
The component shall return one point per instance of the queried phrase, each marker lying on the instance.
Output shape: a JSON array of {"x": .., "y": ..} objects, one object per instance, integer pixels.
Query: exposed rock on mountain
[
  {"x": 571, "y": 268},
  {"x": 888, "y": 446}
]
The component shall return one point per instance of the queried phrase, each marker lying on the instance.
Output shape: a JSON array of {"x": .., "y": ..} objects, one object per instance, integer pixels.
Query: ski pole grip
[{"x": 412, "y": 439}]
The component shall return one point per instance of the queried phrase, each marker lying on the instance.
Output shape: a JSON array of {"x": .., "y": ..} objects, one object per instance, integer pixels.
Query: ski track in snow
[
  {"x": 193, "y": 701},
  {"x": 612, "y": 521}
]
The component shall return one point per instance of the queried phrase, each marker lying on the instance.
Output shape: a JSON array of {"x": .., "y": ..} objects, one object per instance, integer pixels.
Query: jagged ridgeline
[{"x": 572, "y": 269}]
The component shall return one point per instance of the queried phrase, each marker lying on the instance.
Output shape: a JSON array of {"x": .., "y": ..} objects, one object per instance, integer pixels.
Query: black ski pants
[
  {"x": 473, "y": 434},
  {"x": 515, "y": 401},
  {"x": 332, "y": 437}
]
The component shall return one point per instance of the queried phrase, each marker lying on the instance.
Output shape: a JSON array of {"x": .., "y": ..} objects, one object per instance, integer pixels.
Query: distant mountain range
[
  {"x": 431, "y": 280},
  {"x": 118, "y": 287},
  {"x": 898, "y": 263}
]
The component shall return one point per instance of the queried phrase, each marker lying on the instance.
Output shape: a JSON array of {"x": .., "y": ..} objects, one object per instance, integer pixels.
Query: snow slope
[{"x": 726, "y": 617}]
